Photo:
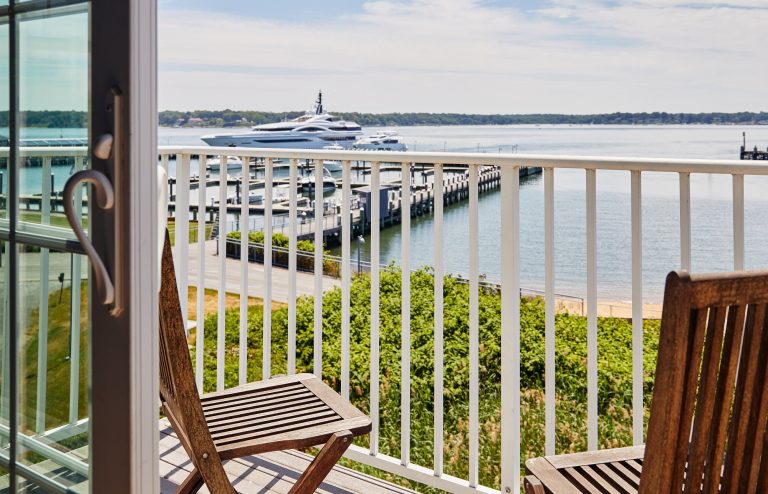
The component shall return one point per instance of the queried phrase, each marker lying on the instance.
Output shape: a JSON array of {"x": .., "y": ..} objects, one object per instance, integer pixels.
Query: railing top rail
[
  {"x": 674, "y": 165},
  {"x": 48, "y": 151},
  {"x": 728, "y": 167}
]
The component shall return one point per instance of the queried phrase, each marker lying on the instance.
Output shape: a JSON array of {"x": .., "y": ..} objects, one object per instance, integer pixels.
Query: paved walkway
[{"x": 305, "y": 282}]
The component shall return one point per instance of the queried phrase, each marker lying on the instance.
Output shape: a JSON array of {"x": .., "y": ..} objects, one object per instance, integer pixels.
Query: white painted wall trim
[{"x": 144, "y": 255}]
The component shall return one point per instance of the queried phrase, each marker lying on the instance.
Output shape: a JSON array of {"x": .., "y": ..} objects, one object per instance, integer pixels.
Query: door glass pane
[
  {"x": 53, "y": 327},
  {"x": 4, "y": 107},
  {"x": 4, "y": 391},
  {"x": 52, "y": 291},
  {"x": 53, "y": 103}
]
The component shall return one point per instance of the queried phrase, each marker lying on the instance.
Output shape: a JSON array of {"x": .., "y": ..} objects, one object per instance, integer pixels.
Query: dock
[
  {"x": 751, "y": 154},
  {"x": 754, "y": 154},
  {"x": 456, "y": 189}
]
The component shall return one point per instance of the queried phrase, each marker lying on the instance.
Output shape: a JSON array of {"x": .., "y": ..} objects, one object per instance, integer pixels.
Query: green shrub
[
  {"x": 614, "y": 368},
  {"x": 305, "y": 260}
]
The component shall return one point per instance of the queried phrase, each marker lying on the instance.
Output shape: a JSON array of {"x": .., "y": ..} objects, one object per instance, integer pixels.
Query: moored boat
[
  {"x": 329, "y": 183},
  {"x": 384, "y": 140},
  {"x": 233, "y": 163},
  {"x": 313, "y": 130}
]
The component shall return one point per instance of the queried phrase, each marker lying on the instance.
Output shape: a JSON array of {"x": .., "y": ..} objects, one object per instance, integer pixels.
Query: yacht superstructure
[
  {"x": 313, "y": 130},
  {"x": 332, "y": 165},
  {"x": 385, "y": 140},
  {"x": 233, "y": 164}
]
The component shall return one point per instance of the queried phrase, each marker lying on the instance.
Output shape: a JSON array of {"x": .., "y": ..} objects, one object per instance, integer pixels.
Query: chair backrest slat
[
  {"x": 707, "y": 431},
  {"x": 178, "y": 391},
  {"x": 747, "y": 403}
]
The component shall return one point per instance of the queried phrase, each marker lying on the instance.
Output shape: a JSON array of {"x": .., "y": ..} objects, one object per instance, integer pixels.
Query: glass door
[
  {"x": 44, "y": 95},
  {"x": 74, "y": 389}
]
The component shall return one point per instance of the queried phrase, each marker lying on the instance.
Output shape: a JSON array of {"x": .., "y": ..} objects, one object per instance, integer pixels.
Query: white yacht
[
  {"x": 313, "y": 130},
  {"x": 329, "y": 183},
  {"x": 233, "y": 163},
  {"x": 332, "y": 165},
  {"x": 385, "y": 140}
]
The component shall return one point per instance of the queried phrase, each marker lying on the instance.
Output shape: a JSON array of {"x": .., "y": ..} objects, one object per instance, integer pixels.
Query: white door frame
[
  {"x": 145, "y": 477},
  {"x": 125, "y": 55}
]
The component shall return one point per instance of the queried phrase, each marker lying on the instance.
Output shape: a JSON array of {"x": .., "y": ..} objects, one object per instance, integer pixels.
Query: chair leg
[
  {"x": 323, "y": 463},
  {"x": 532, "y": 485},
  {"x": 192, "y": 483}
]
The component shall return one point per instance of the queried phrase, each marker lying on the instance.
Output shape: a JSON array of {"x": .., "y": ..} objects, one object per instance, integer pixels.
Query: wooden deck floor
[{"x": 267, "y": 473}]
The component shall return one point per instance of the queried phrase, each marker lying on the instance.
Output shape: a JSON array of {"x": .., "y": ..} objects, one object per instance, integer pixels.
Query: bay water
[{"x": 711, "y": 206}]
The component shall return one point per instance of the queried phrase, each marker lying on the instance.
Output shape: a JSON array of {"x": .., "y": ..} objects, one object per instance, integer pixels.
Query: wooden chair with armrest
[
  {"x": 707, "y": 428},
  {"x": 282, "y": 413}
]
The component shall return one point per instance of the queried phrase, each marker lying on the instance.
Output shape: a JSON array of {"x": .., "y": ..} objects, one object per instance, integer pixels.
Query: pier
[
  {"x": 755, "y": 154},
  {"x": 455, "y": 189}
]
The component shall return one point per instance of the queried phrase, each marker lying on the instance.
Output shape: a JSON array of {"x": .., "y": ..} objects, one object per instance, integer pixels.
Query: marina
[{"x": 455, "y": 189}]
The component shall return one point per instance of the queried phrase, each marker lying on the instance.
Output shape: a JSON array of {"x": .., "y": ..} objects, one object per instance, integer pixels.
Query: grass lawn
[
  {"x": 56, "y": 219},
  {"x": 231, "y": 301},
  {"x": 193, "y": 229},
  {"x": 58, "y": 371}
]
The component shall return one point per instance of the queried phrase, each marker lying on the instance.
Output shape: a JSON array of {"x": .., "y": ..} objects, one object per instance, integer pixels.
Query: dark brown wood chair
[
  {"x": 707, "y": 429},
  {"x": 282, "y": 413}
]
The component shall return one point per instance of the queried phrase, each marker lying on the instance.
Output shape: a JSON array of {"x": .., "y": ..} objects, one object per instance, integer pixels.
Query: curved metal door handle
[
  {"x": 108, "y": 196},
  {"x": 105, "y": 196}
]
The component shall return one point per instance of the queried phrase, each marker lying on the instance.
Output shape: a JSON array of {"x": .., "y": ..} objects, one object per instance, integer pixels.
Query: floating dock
[{"x": 456, "y": 189}]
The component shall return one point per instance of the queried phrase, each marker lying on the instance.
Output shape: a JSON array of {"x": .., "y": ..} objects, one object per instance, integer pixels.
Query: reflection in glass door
[{"x": 44, "y": 278}]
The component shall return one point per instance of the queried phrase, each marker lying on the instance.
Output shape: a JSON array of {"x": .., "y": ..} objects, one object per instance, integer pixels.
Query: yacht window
[{"x": 285, "y": 140}]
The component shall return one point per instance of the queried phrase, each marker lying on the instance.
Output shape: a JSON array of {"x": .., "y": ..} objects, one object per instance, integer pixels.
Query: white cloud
[{"x": 468, "y": 56}]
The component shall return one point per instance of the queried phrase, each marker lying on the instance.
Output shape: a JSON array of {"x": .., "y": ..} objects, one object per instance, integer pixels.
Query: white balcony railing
[
  {"x": 43, "y": 273},
  {"x": 508, "y": 169},
  {"x": 198, "y": 265}
]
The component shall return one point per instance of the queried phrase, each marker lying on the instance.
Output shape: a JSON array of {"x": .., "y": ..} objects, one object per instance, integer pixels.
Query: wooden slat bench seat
[
  {"x": 281, "y": 413},
  {"x": 708, "y": 428},
  {"x": 615, "y": 471},
  {"x": 259, "y": 415}
]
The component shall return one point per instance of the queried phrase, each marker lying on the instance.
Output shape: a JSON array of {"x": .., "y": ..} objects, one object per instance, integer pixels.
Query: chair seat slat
[
  {"x": 255, "y": 401},
  {"x": 263, "y": 411},
  {"x": 615, "y": 478},
  {"x": 598, "y": 479},
  {"x": 580, "y": 482},
  {"x": 291, "y": 426},
  {"x": 247, "y": 421},
  {"x": 629, "y": 475},
  {"x": 233, "y": 394}
]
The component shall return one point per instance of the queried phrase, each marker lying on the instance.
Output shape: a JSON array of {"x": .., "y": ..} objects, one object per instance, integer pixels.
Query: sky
[
  {"x": 50, "y": 49},
  {"x": 467, "y": 56}
]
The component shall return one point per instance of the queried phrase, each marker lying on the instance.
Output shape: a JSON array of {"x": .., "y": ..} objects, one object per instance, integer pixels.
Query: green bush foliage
[
  {"x": 614, "y": 368},
  {"x": 305, "y": 260}
]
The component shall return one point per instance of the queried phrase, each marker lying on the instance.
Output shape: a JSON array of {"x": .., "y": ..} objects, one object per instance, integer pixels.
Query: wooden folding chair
[
  {"x": 282, "y": 413},
  {"x": 707, "y": 429}
]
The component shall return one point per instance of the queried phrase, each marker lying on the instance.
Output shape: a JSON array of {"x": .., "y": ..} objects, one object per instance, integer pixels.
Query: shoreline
[{"x": 607, "y": 308}]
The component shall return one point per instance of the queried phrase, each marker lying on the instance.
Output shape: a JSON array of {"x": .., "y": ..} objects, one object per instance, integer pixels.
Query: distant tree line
[
  {"x": 231, "y": 118},
  {"x": 52, "y": 119}
]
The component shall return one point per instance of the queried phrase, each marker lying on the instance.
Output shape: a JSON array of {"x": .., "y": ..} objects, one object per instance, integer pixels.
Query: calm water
[{"x": 710, "y": 203}]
